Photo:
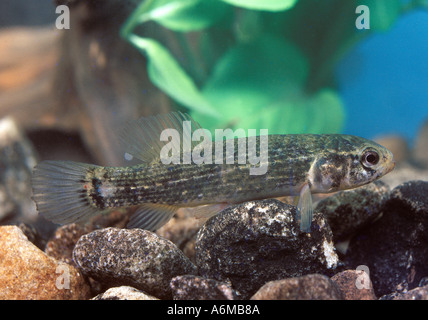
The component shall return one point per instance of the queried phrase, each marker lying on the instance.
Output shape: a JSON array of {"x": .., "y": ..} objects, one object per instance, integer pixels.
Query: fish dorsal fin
[
  {"x": 151, "y": 216},
  {"x": 142, "y": 137}
]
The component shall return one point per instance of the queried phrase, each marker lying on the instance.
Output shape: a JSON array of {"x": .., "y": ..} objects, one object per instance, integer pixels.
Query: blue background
[{"x": 384, "y": 80}]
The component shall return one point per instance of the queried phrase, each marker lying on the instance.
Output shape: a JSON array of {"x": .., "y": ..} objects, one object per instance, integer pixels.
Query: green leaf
[
  {"x": 326, "y": 112},
  {"x": 178, "y": 15},
  {"x": 167, "y": 75},
  {"x": 259, "y": 85},
  {"x": 201, "y": 15},
  {"x": 320, "y": 113},
  {"x": 251, "y": 76},
  {"x": 267, "y": 5},
  {"x": 266, "y": 66}
]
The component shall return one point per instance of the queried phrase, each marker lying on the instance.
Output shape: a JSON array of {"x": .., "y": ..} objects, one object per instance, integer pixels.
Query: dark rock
[
  {"x": 189, "y": 287},
  {"x": 354, "y": 285},
  {"x": 395, "y": 247},
  {"x": 419, "y": 293},
  {"x": 123, "y": 293},
  {"x": 309, "y": 287},
  {"x": 411, "y": 199},
  {"x": 260, "y": 241},
  {"x": 348, "y": 211},
  {"x": 134, "y": 257}
]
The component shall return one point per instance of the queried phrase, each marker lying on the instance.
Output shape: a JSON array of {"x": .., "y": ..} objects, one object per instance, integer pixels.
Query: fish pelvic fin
[
  {"x": 59, "y": 191},
  {"x": 151, "y": 216},
  {"x": 305, "y": 209}
]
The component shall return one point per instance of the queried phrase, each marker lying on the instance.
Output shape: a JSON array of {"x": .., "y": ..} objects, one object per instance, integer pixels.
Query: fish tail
[{"x": 60, "y": 191}]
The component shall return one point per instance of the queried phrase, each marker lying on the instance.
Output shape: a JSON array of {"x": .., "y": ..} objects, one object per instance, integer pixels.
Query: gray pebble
[
  {"x": 123, "y": 293},
  {"x": 190, "y": 287},
  {"x": 309, "y": 287},
  {"x": 411, "y": 198},
  {"x": 259, "y": 241},
  {"x": 134, "y": 257}
]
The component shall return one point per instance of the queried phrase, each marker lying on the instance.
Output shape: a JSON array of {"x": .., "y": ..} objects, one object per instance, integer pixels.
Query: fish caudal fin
[
  {"x": 305, "y": 209},
  {"x": 59, "y": 191}
]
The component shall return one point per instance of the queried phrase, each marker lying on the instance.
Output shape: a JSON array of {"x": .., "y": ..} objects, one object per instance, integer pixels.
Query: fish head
[{"x": 350, "y": 162}]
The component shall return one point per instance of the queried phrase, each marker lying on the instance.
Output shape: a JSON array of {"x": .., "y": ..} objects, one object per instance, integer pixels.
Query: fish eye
[{"x": 370, "y": 158}]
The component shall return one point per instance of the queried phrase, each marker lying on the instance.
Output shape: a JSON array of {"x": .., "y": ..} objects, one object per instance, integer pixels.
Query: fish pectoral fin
[
  {"x": 205, "y": 211},
  {"x": 305, "y": 209},
  {"x": 150, "y": 216}
]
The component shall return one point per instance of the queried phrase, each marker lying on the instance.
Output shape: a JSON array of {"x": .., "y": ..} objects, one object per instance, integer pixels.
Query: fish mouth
[
  {"x": 390, "y": 167},
  {"x": 386, "y": 170}
]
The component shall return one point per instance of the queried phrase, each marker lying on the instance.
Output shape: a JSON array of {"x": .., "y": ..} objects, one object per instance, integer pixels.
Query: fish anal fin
[
  {"x": 151, "y": 216},
  {"x": 305, "y": 208},
  {"x": 205, "y": 211}
]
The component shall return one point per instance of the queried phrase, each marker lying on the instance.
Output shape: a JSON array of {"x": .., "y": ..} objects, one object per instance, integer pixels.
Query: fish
[{"x": 297, "y": 165}]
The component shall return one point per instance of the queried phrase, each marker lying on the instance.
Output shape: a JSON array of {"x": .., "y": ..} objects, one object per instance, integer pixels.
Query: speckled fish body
[
  {"x": 298, "y": 165},
  {"x": 292, "y": 163}
]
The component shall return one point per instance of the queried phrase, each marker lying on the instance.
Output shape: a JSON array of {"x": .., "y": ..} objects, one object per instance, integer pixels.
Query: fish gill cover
[{"x": 255, "y": 63}]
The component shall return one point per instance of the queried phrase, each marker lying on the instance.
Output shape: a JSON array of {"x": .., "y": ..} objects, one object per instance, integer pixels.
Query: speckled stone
[
  {"x": 133, "y": 257},
  {"x": 27, "y": 273},
  {"x": 354, "y": 285},
  {"x": 190, "y": 287},
  {"x": 350, "y": 210},
  {"x": 395, "y": 247},
  {"x": 260, "y": 241},
  {"x": 419, "y": 293},
  {"x": 123, "y": 293},
  {"x": 308, "y": 287}
]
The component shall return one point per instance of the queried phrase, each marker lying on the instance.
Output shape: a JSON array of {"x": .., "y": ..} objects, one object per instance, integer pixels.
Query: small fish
[{"x": 298, "y": 165}]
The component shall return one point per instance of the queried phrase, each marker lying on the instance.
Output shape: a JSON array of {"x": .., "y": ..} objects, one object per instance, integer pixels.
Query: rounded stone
[
  {"x": 27, "y": 273},
  {"x": 133, "y": 257},
  {"x": 260, "y": 241}
]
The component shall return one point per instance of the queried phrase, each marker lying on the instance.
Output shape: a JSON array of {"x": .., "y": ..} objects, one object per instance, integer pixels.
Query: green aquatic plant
[{"x": 255, "y": 63}]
